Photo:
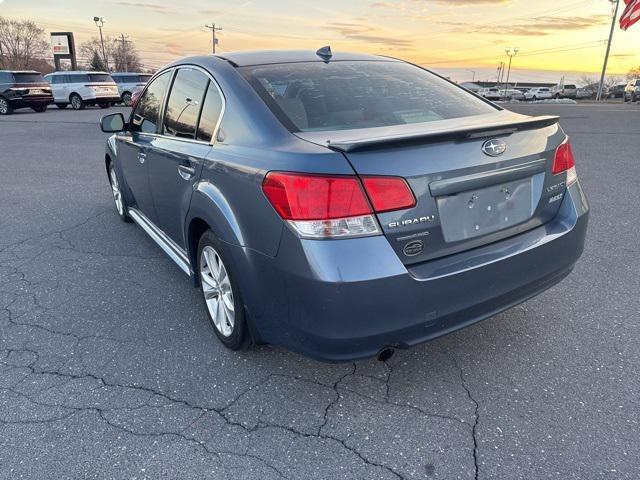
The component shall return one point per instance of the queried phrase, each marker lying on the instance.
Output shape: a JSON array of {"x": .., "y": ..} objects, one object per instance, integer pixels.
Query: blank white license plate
[{"x": 480, "y": 212}]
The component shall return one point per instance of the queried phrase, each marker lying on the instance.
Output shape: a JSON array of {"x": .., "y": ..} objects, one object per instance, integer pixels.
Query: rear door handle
[
  {"x": 186, "y": 172},
  {"x": 142, "y": 157}
]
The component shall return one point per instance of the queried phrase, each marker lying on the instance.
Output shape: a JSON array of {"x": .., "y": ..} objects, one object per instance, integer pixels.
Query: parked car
[
  {"x": 512, "y": 94},
  {"x": 129, "y": 84},
  {"x": 492, "y": 93},
  {"x": 617, "y": 91},
  {"x": 565, "y": 91},
  {"x": 583, "y": 93},
  {"x": 538, "y": 93},
  {"x": 632, "y": 91},
  {"x": 80, "y": 89},
  {"x": 292, "y": 187},
  {"x": 23, "y": 89}
]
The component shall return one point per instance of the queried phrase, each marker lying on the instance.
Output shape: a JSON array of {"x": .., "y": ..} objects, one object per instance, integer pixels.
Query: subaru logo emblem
[
  {"x": 414, "y": 248},
  {"x": 494, "y": 147}
]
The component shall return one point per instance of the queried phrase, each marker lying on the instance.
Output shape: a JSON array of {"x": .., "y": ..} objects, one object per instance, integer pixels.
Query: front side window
[
  {"x": 211, "y": 111},
  {"x": 185, "y": 102},
  {"x": 146, "y": 116},
  {"x": 342, "y": 95}
]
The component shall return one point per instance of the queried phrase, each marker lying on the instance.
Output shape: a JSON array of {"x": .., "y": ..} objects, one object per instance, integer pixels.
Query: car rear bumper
[
  {"x": 346, "y": 300},
  {"x": 102, "y": 99},
  {"x": 27, "y": 102}
]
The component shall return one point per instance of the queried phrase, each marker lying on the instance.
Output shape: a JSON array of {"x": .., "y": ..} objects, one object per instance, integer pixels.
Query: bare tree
[
  {"x": 586, "y": 80},
  {"x": 612, "y": 80},
  {"x": 123, "y": 57},
  {"x": 633, "y": 73},
  {"x": 23, "y": 44}
]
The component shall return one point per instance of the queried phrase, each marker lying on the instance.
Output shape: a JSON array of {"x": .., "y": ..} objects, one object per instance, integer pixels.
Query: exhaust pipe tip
[{"x": 385, "y": 354}]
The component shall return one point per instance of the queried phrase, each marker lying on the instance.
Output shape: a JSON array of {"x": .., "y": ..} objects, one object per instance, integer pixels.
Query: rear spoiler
[{"x": 502, "y": 127}]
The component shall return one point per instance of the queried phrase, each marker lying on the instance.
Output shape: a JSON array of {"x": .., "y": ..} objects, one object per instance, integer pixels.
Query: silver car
[
  {"x": 129, "y": 84},
  {"x": 80, "y": 88}
]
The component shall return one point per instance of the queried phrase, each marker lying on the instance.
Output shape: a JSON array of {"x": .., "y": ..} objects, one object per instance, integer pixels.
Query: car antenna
[{"x": 325, "y": 53}]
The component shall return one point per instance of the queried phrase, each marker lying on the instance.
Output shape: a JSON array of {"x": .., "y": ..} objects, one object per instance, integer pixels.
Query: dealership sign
[
  {"x": 63, "y": 48},
  {"x": 60, "y": 44}
]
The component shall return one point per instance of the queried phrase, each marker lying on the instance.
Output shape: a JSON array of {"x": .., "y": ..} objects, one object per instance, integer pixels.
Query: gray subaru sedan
[{"x": 344, "y": 205}]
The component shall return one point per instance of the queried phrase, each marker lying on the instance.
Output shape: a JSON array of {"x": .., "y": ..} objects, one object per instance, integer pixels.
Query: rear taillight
[
  {"x": 389, "y": 193},
  {"x": 563, "y": 162},
  {"x": 321, "y": 206}
]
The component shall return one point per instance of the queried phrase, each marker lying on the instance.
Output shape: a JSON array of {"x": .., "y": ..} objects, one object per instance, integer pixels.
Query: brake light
[
  {"x": 321, "y": 206},
  {"x": 563, "y": 159},
  {"x": 389, "y": 193}
]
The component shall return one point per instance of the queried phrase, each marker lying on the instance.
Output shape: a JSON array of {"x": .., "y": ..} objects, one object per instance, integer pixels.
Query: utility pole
[
  {"x": 606, "y": 56},
  {"x": 123, "y": 38},
  {"x": 511, "y": 53},
  {"x": 99, "y": 21},
  {"x": 474, "y": 75},
  {"x": 214, "y": 40}
]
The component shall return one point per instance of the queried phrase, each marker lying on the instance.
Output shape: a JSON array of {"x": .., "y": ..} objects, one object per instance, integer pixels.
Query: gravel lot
[{"x": 109, "y": 369}]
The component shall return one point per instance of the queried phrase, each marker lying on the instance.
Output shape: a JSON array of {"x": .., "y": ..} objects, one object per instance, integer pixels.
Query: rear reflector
[
  {"x": 563, "y": 159},
  {"x": 389, "y": 193}
]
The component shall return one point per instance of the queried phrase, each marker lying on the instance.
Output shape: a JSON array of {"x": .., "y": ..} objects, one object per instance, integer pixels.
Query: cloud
[
  {"x": 155, "y": 7},
  {"x": 366, "y": 33},
  {"x": 209, "y": 12},
  {"x": 544, "y": 25},
  {"x": 463, "y": 3}
]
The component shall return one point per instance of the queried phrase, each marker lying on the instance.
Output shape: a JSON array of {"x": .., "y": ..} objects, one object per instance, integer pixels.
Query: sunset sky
[{"x": 449, "y": 36}]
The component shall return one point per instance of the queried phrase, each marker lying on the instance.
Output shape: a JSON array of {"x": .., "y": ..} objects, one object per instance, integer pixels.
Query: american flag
[{"x": 631, "y": 14}]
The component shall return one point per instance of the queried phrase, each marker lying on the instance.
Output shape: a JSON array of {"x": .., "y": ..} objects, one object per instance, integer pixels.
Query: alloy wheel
[
  {"x": 76, "y": 102},
  {"x": 4, "y": 106},
  {"x": 115, "y": 188},
  {"x": 126, "y": 99},
  {"x": 216, "y": 287}
]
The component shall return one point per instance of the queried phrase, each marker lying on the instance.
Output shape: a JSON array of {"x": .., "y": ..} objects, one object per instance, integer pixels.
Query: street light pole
[
  {"x": 99, "y": 21},
  {"x": 474, "y": 75},
  {"x": 511, "y": 53},
  {"x": 606, "y": 55}
]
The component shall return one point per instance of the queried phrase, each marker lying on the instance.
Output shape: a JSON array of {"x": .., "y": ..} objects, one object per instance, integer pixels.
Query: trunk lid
[{"x": 465, "y": 197}]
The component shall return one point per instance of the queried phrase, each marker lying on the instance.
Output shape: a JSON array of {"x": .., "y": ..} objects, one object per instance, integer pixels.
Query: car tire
[
  {"x": 633, "y": 98},
  {"x": 5, "y": 107},
  {"x": 127, "y": 99},
  {"x": 62, "y": 106},
  {"x": 116, "y": 190},
  {"x": 220, "y": 294},
  {"x": 104, "y": 105},
  {"x": 76, "y": 102},
  {"x": 557, "y": 96},
  {"x": 534, "y": 98},
  {"x": 39, "y": 108}
]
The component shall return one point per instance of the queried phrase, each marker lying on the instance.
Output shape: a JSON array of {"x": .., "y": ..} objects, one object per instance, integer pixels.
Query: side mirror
[{"x": 112, "y": 123}]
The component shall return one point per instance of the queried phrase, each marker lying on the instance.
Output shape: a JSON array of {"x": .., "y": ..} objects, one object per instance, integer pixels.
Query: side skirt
[{"x": 176, "y": 253}]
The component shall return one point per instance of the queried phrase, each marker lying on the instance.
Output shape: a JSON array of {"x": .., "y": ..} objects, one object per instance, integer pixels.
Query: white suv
[
  {"x": 130, "y": 83},
  {"x": 79, "y": 89},
  {"x": 538, "y": 93}
]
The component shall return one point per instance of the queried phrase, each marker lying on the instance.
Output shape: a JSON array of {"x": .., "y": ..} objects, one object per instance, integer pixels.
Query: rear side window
[
  {"x": 316, "y": 96},
  {"x": 6, "y": 77},
  {"x": 185, "y": 102},
  {"x": 144, "y": 78},
  {"x": 100, "y": 77},
  {"x": 211, "y": 111},
  {"x": 146, "y": 116},
  {"x": 28, "y": 78},
  {"x": 77, "y": 78}
]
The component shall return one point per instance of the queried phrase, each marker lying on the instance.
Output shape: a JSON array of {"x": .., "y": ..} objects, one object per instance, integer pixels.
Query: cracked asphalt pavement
[{"x": 109, "y": 368}]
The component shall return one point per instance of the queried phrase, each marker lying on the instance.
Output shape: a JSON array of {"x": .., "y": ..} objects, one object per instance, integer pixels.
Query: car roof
[
  {"x": 66, "y": 72},
  {"x": 266, "y": 57},
  {"x": 19, "y": 71},
  {"x": 116, "y": 74}
]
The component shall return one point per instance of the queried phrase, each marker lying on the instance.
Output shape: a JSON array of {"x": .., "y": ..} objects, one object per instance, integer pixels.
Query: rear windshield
[
  {"x": 28, "y": 78},
  {"x": 89, "y": 77},
  {"x": 570, "y": 87},
  {"x": 314, "y": 96},
  {"x": 144, "y": 78}
]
